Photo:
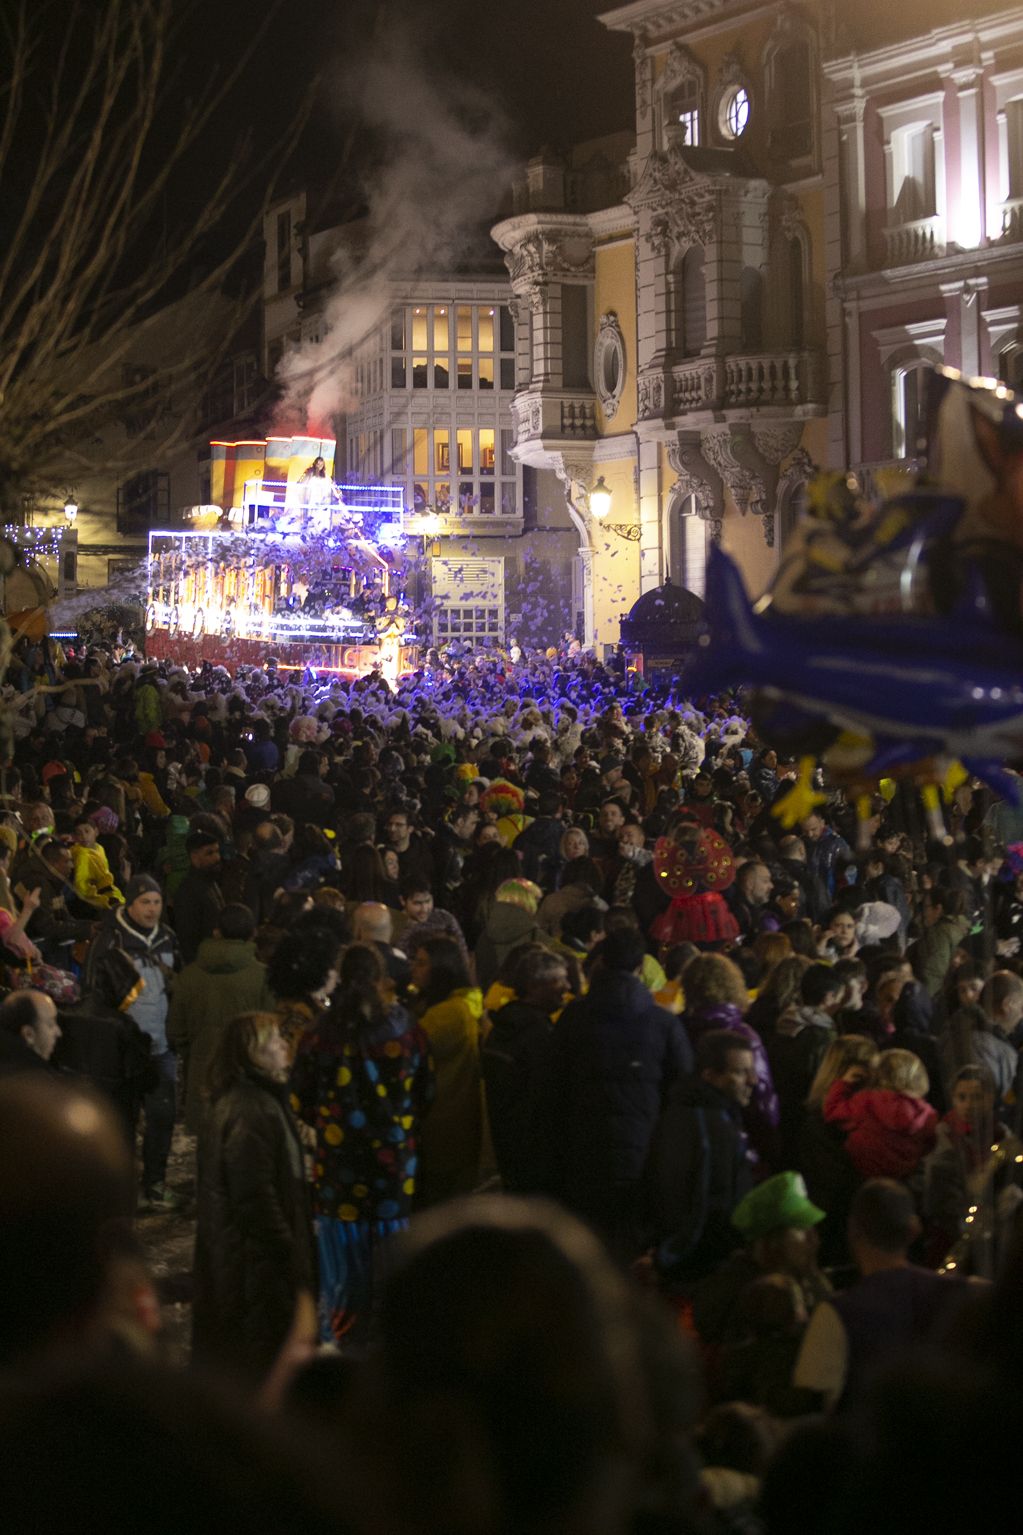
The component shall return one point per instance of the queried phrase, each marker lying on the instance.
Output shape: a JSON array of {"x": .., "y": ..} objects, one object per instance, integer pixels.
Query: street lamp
[
  {"x": 71, "y": 509},
  {"x": 600, "y": 500}
]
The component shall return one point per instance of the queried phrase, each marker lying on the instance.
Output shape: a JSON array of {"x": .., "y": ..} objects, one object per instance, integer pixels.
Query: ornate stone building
[{"x": 695, "y": 301}]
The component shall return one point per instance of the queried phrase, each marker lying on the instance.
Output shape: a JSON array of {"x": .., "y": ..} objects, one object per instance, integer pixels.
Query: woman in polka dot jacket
[{"x": 362, "y": 1079}]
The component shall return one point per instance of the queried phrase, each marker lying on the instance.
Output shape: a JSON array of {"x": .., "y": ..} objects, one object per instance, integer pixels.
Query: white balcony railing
[
  {"x": 918, "y": 240},
  {"x": 545, "y": 414},
  {"x": 750, "y": 380}
]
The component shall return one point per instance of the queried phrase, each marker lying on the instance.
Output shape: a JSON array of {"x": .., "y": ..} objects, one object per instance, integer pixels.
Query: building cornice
[
  {"x": 930, "y": 51},
  {"x": 654, "y": 21},
  {"x": 608, "y": 222},
  {"x": 510, "y": 233},
  {"x": 875, "y": 289}
]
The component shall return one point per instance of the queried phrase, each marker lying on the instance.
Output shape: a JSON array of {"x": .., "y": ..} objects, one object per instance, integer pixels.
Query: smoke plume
[{"x": 438, "y": 178}]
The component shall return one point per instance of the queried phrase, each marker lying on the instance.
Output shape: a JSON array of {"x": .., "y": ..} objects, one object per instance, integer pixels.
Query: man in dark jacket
[
  {"x": 510, "y": 1058},
  {"x": 539, "y": 846},
  {"x": 135, "y": 928},
  {"x": 306, "y": 797},
  {"x": 614, "y": 1057},
  {"x": 827, "y": 857},
  {"x": 795, "y": 1047},
  {"x": 199, "y": 899},
  {"x": 700, "y": 1166}
]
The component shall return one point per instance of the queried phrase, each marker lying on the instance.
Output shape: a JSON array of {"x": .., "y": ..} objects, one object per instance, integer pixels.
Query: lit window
[
  {"x": 689, "y": 121},
  {"x": 486, "y": 450},
  {"x": 735, "y": 109}
]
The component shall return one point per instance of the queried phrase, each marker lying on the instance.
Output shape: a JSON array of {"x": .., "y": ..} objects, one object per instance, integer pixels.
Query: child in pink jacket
[{"x": 889, "y": 1126}]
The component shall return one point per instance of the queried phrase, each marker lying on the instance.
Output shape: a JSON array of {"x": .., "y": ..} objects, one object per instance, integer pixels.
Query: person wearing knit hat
[
  {"x": 137, "y": 930},
  {"x": 258, "y": 795}
]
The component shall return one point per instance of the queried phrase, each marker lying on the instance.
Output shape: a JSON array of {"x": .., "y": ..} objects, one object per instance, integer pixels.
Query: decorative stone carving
[
  {"x": 790, "y": 217},
  {"x": 682, "y": 203},
  {"x": 731, "y": 71},
  {"x": 651, "y": 396},
  {"x": 609, "y": 364},
  {"x": 548, "y": 254},
  {"x": 717, "y": 449},
  {"x": 777, "y": 439},
  {"x": 690, "y": 482},
  {"x": 644, "y": 72},
  {"x": 680, "y": 66}
]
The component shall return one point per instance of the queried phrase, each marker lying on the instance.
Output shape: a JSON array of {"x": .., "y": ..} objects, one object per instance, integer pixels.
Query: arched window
[
  {"x": 909, "y": 398},
  {"x": 682, "y": 89},
  {"x": 690, "y": 303},
  {"x": 1010, "y": 367}
]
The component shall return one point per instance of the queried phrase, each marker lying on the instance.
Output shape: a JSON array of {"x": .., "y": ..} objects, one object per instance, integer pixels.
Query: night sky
[{"x": 553, "y": 71}]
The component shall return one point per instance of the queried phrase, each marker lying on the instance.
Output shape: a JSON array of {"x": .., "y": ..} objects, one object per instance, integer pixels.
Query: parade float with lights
[{"x": 283, "y": 562}]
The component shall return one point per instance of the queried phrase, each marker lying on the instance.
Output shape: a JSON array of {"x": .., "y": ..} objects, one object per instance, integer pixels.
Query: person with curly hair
[{"x": 302, "y": 977}]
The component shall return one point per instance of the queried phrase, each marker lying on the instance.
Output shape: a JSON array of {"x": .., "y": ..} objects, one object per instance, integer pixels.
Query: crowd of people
[{"x": 572, "y": 1142}]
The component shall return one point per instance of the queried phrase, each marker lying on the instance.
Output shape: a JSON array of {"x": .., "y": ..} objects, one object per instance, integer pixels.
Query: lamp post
[
  {"x": 599, "y": 500},
  {"x": 71, "y": 509},
  {"x": 429, "y": 527}
]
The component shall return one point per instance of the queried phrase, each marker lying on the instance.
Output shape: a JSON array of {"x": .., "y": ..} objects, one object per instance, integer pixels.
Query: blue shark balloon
[{"x": 927, "y": 686}]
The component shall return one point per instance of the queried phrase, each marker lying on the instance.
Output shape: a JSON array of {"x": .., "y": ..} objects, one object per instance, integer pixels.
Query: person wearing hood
[
  {"x": 512, "y": 921},
  {"x": 226, "y": 978},
  {"x": 136, "y": 929},
  {"x": 511, "y": 1056},
  {"x": 945, "y": 927},
  {"x": 796, "y": 1047},
  {"x": 889, "y": 1127},
  {"x": 450, "y": 1008},
  {"x": 614, "y": 1057}
]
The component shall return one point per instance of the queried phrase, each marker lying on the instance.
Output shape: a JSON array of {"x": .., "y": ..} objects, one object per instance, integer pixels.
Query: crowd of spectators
[{"x": 509, "y": 1214}]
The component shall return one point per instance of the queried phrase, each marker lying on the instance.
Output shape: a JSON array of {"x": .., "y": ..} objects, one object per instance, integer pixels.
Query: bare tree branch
[{"x": 82, "y": 279}]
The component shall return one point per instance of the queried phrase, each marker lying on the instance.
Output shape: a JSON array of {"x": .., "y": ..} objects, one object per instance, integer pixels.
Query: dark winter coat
[
  {"x": 507, "y": 927},
  {"x": 197, "y": 907},
  {"x": 306, "y": 798},
  {"x": 155, "y": 954},
  {"x": 795, "y": 1048},
  {"x": 700, "y": 1167},
  {"x": 107, "y": 1047},
  {"x": 613, "y": 1058},
  {"x": 510, "y": 1059},
  {"x": 253, "y": 1245},
  {"x": 225, "y": 980}
]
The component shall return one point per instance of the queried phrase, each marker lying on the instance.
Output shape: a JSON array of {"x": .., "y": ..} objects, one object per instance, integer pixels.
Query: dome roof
[{"x": 667, "y": 604}]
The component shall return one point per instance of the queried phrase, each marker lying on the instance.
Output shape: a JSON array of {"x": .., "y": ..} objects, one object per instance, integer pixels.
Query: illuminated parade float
[{"x": 284, "y": 562}]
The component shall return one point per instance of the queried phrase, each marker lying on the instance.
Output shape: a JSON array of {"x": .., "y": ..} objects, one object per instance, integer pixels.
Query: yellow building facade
[{"x": 672, "y": 340}]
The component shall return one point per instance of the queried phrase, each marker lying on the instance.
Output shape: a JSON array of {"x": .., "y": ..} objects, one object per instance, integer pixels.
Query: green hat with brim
[{"x": 779, "y": 1202}]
